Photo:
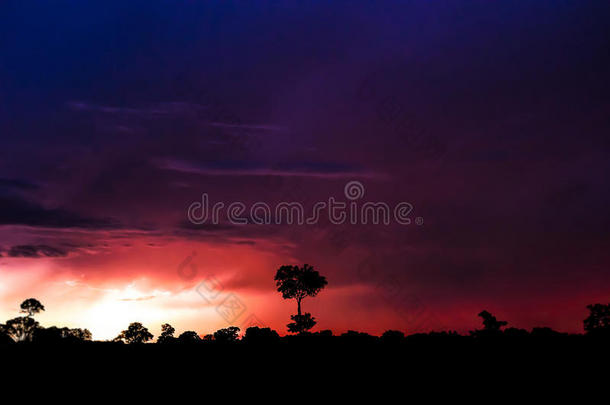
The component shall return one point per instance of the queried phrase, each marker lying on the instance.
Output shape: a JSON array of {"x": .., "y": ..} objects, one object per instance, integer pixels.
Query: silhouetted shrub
[
  {"x": 258, "y": 335},
  {"x": 302, "y": 323}
]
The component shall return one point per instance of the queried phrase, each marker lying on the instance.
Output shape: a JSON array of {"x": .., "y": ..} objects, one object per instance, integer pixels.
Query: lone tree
[
  {"x": 31, "y": 306},
  {"x": 598, "y": 321},
  {"x": 296, "y": 282},
  {"x": 135, "y": 333}
]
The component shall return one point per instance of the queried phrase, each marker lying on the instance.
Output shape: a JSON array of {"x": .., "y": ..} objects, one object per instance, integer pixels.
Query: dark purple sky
[{"x": 490, "y": 118}]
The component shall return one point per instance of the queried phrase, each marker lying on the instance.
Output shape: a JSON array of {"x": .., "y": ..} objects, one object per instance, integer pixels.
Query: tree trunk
[{"x": 299, "y": 307}]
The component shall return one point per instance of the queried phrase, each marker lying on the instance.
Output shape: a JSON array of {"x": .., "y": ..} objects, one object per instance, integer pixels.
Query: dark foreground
[{"x": 424, "y": 357}]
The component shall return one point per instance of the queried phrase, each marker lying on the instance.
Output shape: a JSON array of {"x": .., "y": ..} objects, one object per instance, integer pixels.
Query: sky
[{"x": 489, "y": 121}]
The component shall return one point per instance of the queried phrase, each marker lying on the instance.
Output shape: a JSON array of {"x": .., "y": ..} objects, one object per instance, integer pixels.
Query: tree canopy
[
  {"x": 135, "y": 333},
  {"x": 227, "y": 335},
  {"x": 189, "y": 337},
  {"x": 598, "y": 320},
  {"x": 31, "y": 306},
  {"x": 299, "y": 282}
]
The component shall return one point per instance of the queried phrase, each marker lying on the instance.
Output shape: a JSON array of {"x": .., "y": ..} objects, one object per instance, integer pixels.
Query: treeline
[{"x": 25, "y": 329}]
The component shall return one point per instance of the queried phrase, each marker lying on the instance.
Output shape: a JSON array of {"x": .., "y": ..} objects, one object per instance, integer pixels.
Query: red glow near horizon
[{"x": 490, "y": 121}]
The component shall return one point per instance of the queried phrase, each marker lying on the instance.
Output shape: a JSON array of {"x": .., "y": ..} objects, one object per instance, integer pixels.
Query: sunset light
[{"x": 328, "y": 175}]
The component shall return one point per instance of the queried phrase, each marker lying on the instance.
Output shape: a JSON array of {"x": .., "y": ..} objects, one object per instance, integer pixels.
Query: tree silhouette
[
  {"x": 598, "y": 321},
  {"x": 167, "y": 333},
  {"x": 227, "y": 335},
  {"x": 296, "y": 282},
  {"x": 79, "y": 334},
  {"x": 31, "y": 306},
  {"x": 490, "y": 322},
  {"x": 254, "y": 334},
  {"x": 54, "y": 334},
  {"x": 516, "y": 333},
  {"x": 135, "y": 333},
  {"x": 491, "y": 326},
  {"x": 20, "y": 329},
  {"x": 392, "y": 336},
  {"x": 301, "y": 323},
  {"x": 189, "y": 337}
]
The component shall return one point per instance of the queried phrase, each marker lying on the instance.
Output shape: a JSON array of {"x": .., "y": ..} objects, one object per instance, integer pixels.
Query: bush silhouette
[
  {"x": 301, "y": 323},
  {"x": 258, "y": 335}
]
